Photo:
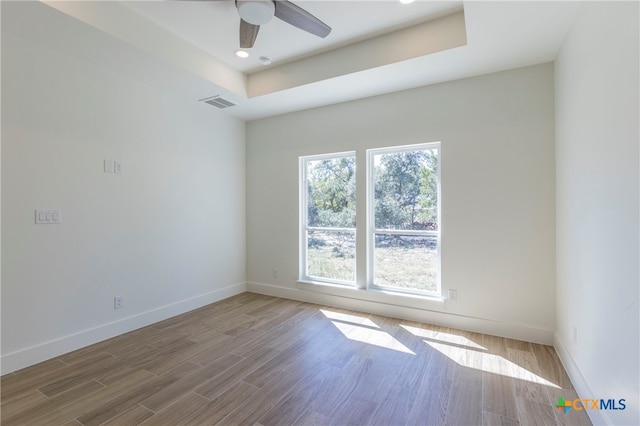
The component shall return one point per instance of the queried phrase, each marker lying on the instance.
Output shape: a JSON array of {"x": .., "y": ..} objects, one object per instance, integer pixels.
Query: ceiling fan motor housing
[{"x": 256, "y": 12}]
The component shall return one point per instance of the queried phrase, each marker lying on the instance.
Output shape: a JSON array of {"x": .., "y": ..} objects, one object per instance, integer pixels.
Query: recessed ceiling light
[
  {"x": 242, "y": 54},
  {"x": 406, "y": 1}
]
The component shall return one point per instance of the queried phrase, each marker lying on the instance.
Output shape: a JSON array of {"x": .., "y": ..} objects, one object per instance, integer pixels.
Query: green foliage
[
  {"x": 331, "y": 186},
  {"x": 429, "y": 192},
  {"x": 406, "y": 198},
  {"x": 406, "y": 190}
]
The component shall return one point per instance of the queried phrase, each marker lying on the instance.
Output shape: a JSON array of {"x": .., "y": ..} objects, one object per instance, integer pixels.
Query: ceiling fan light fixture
[
  {"x": 256, "y": 12},
  {"x": 243, "y": 54}
]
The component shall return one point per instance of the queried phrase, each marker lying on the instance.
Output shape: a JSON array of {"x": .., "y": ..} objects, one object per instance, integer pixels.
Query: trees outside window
[
  {"x": 404, "y": 232},
  {"x": 403, "y": 219},
  {"x": 329, "y": 218}
]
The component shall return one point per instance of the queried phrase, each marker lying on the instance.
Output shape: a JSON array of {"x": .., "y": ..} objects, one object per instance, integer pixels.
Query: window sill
[{"x": 374, "y": 295}]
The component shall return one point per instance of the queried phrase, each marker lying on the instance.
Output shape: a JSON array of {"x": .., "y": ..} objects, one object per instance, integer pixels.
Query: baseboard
[
  {"x": 597, "y": 417},
  {"x": 480, "y": 325},
  {"x": 25, "y": 357}
]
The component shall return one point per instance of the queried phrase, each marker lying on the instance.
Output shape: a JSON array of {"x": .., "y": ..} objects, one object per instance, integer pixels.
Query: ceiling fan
[{"x": 254, "y": 13}]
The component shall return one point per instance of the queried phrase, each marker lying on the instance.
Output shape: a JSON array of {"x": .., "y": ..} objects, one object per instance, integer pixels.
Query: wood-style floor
[{"x": 253, "y": 359}]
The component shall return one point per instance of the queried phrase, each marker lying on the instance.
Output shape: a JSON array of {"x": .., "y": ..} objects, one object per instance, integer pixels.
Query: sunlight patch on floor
[
  {"x": 488, "y": 362},
  {"x": 362, "y": 329},
  {"x": 467, "y": 353},
  {"x": 355, "y": 319},
  {"x": 442, "y": 336},
  {"x": 372, "y": 337}
]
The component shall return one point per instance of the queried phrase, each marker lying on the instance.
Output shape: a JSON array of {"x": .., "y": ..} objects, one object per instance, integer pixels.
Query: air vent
[{"x": 218, "y": 102}]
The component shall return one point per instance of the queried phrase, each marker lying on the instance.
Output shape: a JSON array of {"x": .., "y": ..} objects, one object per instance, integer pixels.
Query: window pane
[
  {"x": 331, "y": 255},
  {"x": 408, "y": 262},
  {"x": 331, "y": 189},
  {"x": 406, "y": 190}
]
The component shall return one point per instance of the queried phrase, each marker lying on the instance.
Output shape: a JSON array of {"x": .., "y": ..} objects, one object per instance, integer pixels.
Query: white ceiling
[
  {"x": 213, "y": 25},
  {"x": 375, "y": 47}
]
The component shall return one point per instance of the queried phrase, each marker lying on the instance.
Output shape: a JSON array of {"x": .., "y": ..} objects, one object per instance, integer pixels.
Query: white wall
[
  {"x": 597, "y": 218},
  {"x": 498, "y": 228},
  {"x": 168, "y": 234}
]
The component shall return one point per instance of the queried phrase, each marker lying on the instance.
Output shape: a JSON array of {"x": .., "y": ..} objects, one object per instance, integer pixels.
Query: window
[
  {"x": 328, "y": 207},
  {"x": 403, "y": 219}
]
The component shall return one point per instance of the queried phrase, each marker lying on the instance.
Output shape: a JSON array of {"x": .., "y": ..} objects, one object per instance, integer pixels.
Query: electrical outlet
[
  {"x": 117, "y": 167},
  {"x": 118, "y": 302},
  {"x": 275, "y": 272},
  {"x": 453, "y": 295}
]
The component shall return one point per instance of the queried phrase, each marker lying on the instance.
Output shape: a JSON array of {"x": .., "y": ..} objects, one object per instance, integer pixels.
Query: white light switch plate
[
  {"x": 48, "y": 216},
  {"x": 108, "y": 166},
  {"x": 117, "y": 167}
]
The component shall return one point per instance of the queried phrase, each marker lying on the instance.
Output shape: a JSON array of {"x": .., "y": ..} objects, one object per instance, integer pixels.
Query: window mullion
[
  {"x": 329, "y": 229},
  {"x": 406, "y": 232}
]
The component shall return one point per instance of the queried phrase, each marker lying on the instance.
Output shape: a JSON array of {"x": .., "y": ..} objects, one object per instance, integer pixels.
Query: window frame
[
  {"x": 372, "y": 230},
  {"x": 365, "y": 268},
  {"x": 304, "y": 227}
]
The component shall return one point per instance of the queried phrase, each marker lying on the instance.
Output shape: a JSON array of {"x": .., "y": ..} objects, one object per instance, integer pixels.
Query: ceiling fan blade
[
  {"x": 300, "y": 18},
  {"x": 248, "y": 34}
]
